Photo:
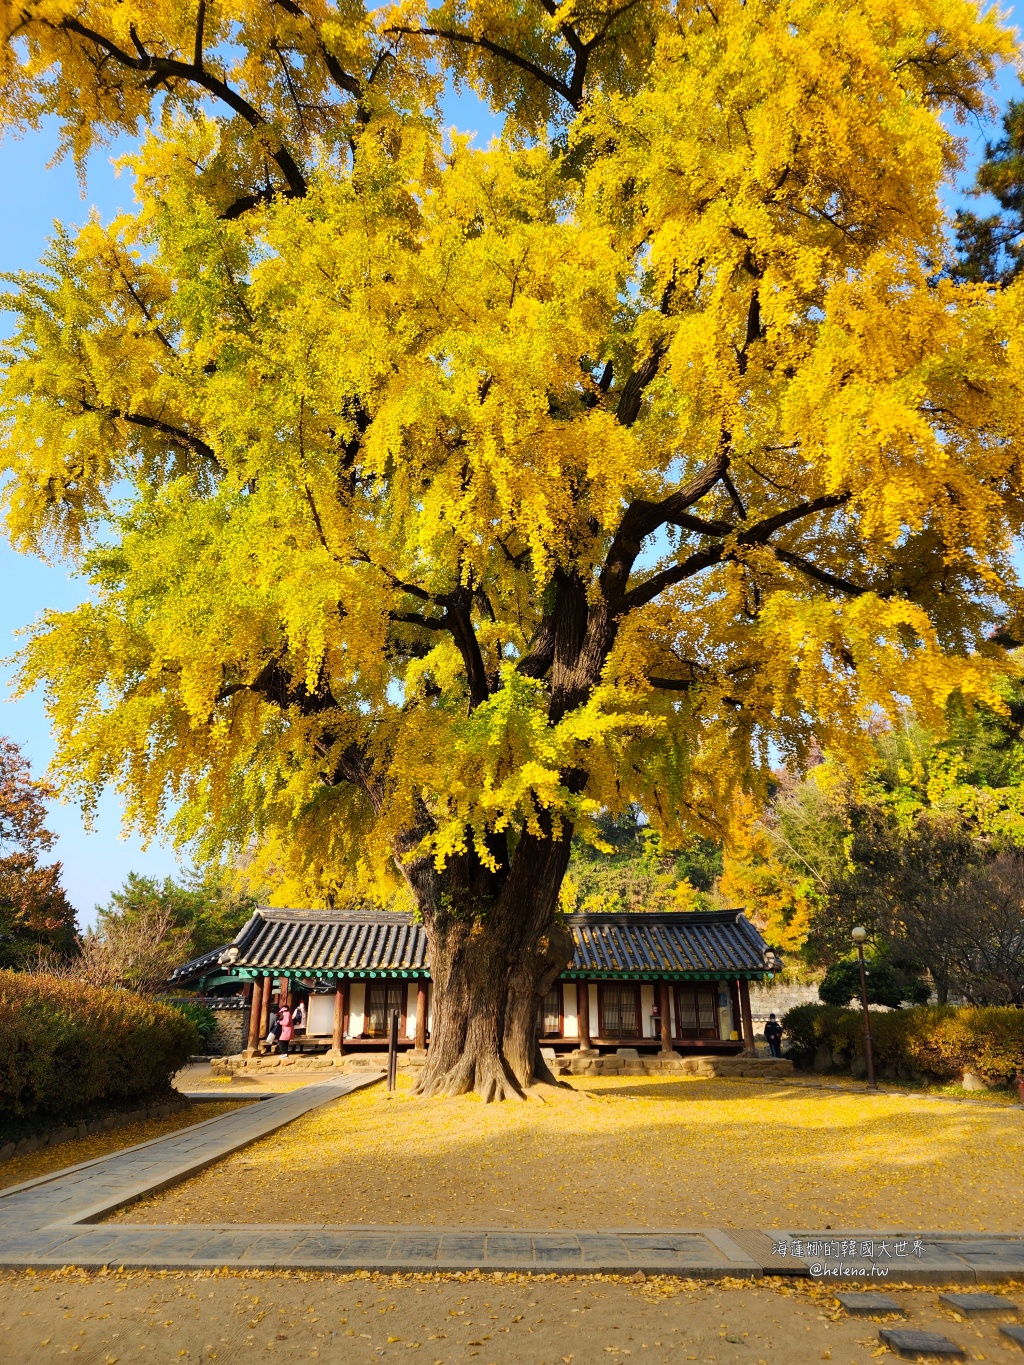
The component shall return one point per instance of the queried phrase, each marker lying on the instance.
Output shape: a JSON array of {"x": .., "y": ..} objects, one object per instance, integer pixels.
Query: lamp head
[{"x": 859, "y": 935}]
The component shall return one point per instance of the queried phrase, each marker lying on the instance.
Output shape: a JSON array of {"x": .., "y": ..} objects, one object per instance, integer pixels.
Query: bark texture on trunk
[{"x": 495, "y": 948}]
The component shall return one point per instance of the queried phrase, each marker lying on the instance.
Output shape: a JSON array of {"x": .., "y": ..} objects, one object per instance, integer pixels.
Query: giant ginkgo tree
[{"x": 436, "y": 498}]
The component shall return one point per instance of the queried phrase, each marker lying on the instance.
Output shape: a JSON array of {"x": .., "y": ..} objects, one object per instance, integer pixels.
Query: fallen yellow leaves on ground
[
  {"x": 241, "y": 1316},
  {"x": 625, "y": 1152},
  {"x": 34, "y": 1164}
]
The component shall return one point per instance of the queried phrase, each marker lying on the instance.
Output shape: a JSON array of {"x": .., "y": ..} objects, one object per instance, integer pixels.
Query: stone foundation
[
  {"x": 629, "y": 1062},
  {"x": 299, "y": 1062},
  {"x": 624, "y": 1062}
]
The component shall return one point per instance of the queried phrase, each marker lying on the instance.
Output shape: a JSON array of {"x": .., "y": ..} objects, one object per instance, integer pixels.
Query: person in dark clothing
[{"x": 773, "y": 1036}]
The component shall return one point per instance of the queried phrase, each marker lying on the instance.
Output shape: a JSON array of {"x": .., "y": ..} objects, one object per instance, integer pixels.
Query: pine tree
[{"x": 991, "y": 248}]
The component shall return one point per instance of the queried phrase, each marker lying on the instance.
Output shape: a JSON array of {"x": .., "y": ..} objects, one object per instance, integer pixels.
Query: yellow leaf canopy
[{"x": 434, "y": 497}]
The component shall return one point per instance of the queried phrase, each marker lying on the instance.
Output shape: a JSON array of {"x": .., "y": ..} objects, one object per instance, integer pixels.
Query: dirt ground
[
  {"x": 35, "y": 1164},
  {"x": 103, "y": 1319},
  {"x": 627, "y": 1152}
]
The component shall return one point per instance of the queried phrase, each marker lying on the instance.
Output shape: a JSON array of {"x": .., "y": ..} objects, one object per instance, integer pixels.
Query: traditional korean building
[{"x": 648, "y": 981}]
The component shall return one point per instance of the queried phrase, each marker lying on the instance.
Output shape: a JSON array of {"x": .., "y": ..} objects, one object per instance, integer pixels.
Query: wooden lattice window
[
  {"x": 549, "y": 1013},
  {"x": 619, "y": 1009},
  {"x": 381, "y": 998},
  {"x": 696, "y": 1012}
]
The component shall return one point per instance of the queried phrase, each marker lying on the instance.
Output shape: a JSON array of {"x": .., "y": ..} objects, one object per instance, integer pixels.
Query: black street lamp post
[{"x": 858, "y": 936}]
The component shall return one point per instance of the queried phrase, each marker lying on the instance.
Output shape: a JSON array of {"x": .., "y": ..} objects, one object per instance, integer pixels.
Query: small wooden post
[
  {"x": 268, "y": 986},
  {"x": 421, "y": 1015},
  {"x": 338, "y": 1037},
  {"x": 666, "y": 1017},
  {"x": 393, "y": 1050},
  {"x": 583, "y": 1015},
  {"x": 748, "y": 1023},
  {"x": 284, "y": 994},
  {"x": 255, "y": 1008}
]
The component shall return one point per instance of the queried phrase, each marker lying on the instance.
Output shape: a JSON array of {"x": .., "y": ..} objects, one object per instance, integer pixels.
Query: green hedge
[
  {"x": 933, "y": 1040},
  {"x": 67, "y": 1048}
]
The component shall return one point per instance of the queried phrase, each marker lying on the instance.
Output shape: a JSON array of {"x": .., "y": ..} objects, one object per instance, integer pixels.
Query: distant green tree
[
  {"x": 640, "y": 873},
  {"x": 991, "y": 247},
  {"x": 926, "y": 850},
  {"x": 204, "y": 911},
  {"x": 889, "y": 982}
]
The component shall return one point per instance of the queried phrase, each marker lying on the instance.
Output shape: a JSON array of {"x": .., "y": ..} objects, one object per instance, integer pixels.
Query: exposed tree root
[{"x": 485, "y": 1076}]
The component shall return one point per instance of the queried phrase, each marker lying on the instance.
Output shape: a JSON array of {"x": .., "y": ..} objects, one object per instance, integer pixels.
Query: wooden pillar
[
  {"x": 284, "y": 992},
  {"x": 265, "y": 1006},
  {"x": 583, "y": 1015},
  {"x": 748, "y": 1023},
  {"x": 734, "y": 1003},
  {"x": 255, "y": 1010},
  {"x": 421, "y": 1015},
  {"x": 340, "y": 1011},
  {"x": 664, "y": 1008}
]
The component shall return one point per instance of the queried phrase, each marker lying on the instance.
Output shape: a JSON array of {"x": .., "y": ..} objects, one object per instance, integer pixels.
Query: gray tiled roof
[
  {"x": 717, "y": 941},
  {"x": 375, "y": 943}
]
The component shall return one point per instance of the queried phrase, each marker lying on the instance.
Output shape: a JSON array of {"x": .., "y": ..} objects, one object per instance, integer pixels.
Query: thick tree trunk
[{"x": 494, "y": 949}]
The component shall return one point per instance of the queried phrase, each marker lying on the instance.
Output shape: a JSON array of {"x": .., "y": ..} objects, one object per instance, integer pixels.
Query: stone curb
[{"x": 73, "y": 1132}]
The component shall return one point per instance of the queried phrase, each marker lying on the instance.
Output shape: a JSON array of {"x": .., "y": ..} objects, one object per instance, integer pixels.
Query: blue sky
[{"x": 97, "y": 862}]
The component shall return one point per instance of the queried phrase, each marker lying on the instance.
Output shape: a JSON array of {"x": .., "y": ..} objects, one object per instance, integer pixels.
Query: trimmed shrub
[
  {"x": 937, "y": 1040},
  {"x": 201, "y": 1015},
  {"x": 66, "y": 1047}
]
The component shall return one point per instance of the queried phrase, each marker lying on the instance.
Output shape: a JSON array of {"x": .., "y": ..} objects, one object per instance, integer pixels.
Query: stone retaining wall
[
  {"x": 765, "y": 1000},
  {"x": 628, "y": 1062}
]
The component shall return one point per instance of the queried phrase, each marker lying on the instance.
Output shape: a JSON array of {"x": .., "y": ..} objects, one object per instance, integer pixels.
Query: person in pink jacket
[{"x": 284, "y": 1019}]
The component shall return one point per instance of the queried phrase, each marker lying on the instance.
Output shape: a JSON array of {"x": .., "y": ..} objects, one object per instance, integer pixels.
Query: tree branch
[
  {"x": 177, "y": 434},
  {"x": 704, "y": 559},
  {"x": 523, "y": 63},
  {"x": 667, "y": 578},
  {"x": 672, "y": 684},
  {"x": 642, "y": 518},
  {"x": 627, "y": 409},
  {"x": 413, "y": 618},
  {"x": 830, "y": 580},
  {"x": 164, "y": 68},
  {"x": 541, "y": 651}
]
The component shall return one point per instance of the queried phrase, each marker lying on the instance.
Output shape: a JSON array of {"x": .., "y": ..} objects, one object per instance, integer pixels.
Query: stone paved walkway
[{"x": 55, "y": 1221}]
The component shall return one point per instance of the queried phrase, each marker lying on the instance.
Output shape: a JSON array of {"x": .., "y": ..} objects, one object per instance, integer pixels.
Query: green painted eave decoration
[{"x": 662, "y": 976}]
